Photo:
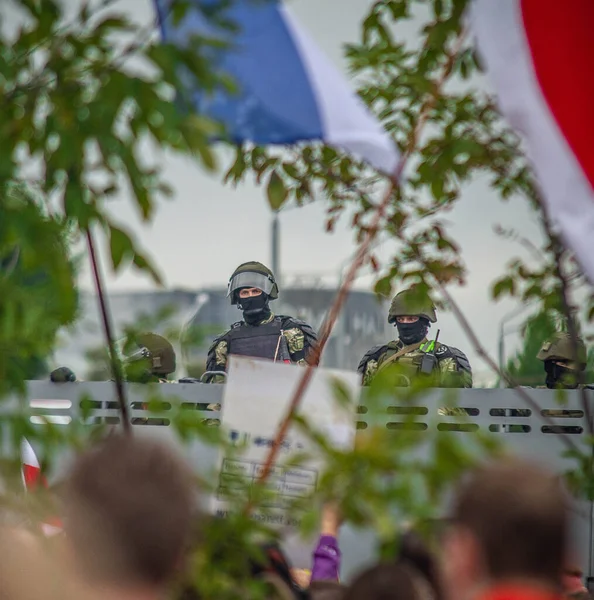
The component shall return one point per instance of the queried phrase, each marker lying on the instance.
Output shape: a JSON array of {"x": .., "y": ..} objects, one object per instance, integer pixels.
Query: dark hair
[
  {"x": 389, "y": 581},
  {"x": 129, "y": 504},
  {"x": 517, "y": 513},
  {"x": 414, "y": 551},
  {"x": 326, "y": 590}
]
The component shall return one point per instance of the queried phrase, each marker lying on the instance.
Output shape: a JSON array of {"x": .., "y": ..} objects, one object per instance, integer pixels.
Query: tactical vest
[{"x": 259, "y": 341}]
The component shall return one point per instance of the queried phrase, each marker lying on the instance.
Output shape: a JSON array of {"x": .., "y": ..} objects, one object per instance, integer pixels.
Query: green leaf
[
  {"x": 237, "y": 170},
  {"x": 120, "y": 245},
  {"x": 291, "y": 170},
  {"x": 437, "y": 188},
  {"x": 383, "y": 287},
  {"x": 143, "y": 264},
  {"x": 276, "y": 191},
  {"x": 506, "y": 285}
]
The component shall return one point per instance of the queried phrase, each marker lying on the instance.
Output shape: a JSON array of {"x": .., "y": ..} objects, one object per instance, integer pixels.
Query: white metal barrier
[{"x": 495, "y": 412}]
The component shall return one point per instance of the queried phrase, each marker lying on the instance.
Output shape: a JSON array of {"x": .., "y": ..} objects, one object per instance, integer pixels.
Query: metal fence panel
[{"x": 496, "y": 412}]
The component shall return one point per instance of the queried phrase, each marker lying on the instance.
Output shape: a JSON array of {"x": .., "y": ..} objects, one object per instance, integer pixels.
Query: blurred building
[{"x": 362, "y": 323}]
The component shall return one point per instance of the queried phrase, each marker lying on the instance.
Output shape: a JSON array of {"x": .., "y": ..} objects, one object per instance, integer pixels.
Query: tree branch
[
  {"x": 105, "y": 316},
  {"x": 558, "y": 249},
  {"x": 371, "y": 233}
]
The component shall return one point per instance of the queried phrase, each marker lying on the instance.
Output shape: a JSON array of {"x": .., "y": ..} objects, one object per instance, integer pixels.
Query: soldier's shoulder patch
[
  {"x": 372, "y": 354},
  {"x": 441, "y": 349},
  {"x": 235, "y": 326}
]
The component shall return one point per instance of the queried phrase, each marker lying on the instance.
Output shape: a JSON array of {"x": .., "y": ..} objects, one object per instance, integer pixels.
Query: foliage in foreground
[{"x": 76, "y": 125}]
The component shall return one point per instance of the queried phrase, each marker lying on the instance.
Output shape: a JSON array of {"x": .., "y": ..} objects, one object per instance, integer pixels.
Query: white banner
[{"x": 256, "y": 399}]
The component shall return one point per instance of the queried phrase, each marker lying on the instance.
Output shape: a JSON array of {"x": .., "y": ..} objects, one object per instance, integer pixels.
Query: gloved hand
[{"x": 62, "y": 375}]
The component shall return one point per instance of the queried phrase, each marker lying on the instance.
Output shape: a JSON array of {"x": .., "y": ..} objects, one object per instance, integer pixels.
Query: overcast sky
[{"x": 200, "y": 236}]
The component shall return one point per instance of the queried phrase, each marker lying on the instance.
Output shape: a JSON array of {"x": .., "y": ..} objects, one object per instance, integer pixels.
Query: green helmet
[
  {"x": 252, "y": 274},
  {"x": 560, "y": 347},
  {"x": 158, "y": 351},
  {"x": 409, "y": 303}
]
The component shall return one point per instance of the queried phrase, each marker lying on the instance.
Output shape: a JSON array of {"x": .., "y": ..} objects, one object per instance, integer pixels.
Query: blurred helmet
[
  {"x": 412, "y": 303},
  {"x": 252, "y": 275},
  {"x": 158, "y": 352},
  {"x": 560, "y": 347}
]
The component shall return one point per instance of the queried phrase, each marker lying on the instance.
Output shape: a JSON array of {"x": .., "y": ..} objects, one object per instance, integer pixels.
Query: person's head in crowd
[
  {"x": 413, "y": 551},
  {"x": 326, "y": 590},
  {"x": 129, "y": 504},
  {"x": 389, "y": 581},
  {"x": 509, "y": 526}
]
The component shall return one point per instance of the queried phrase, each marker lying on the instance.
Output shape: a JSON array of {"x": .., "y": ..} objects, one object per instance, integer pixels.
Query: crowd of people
[
  {"x": 131, "y": 521},
  {"x": 263, "y": 334}
]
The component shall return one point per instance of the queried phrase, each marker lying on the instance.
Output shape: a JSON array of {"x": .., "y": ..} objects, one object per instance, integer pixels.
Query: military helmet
[
  {"x": 157, "y": 350},
  {"x": 409, "y": 303},
  {"x": 560, "y": 347},
  {"x": 252, "y": 274}
]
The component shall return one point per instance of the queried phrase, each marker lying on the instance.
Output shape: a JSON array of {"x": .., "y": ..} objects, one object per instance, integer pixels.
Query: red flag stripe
[
  {"x": 512, "y": 41},
  {"x": 561, "y": 43},
  {"x": 33, "y": 477}
]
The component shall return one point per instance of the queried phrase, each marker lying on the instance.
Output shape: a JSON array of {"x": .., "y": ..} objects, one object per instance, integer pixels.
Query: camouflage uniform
[
  {"x": 451, "y": 369},
  {"x": 274, "y": 337}
]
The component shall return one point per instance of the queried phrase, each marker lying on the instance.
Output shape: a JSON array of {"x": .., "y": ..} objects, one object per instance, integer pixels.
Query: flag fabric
[
  {"x": 539, "y": 55},
  {"x": 288, "y": 90},
  {"x": 33, "y": 478}
]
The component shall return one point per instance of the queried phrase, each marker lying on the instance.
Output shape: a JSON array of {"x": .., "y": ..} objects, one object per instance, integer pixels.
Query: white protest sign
[{"x": 256, "y": 399}]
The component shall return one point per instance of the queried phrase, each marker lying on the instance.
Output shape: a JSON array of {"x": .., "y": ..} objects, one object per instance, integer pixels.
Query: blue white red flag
[
  {"x": 288, "y": 90},
  {"x": 539, "y": 55}
]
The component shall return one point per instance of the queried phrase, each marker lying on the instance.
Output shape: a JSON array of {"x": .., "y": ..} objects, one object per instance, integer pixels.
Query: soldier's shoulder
[
  {"x": 294, "y": 323},
  {"x": 444, "y": 351},
  {"x": 372, "y": 354},
  {"x": 222, "y": 337}
]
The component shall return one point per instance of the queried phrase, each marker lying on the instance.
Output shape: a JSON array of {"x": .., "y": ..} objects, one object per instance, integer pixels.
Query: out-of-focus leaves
[{"x": 277, "y": 194}]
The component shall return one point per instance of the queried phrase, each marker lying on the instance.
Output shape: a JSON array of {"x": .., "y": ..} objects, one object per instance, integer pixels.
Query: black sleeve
[
  {"x": 372, "y": 354},
  {"x": 309, "y": 334},
  {"x": 211, "y": 359}
]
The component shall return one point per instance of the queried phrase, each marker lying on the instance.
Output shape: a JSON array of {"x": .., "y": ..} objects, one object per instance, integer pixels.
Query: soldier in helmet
[
  {"x": 153, "y": 361},
  {"x": 261, "y": 333},
  {"x": 412, "y": 313},
  {"x": 563, "y": 363}
]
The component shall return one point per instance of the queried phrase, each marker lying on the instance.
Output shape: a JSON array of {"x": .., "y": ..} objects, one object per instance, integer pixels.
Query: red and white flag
[
  {"x": 539, "y": 54},
  {"x": 32, "y": 479}
]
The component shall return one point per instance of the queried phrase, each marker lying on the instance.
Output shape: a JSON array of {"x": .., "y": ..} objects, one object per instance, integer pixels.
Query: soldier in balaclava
[
  {"x": 563, "y": 363},
  {"x": 412, "y": 313},
  {"x": 261, "y": 333}
]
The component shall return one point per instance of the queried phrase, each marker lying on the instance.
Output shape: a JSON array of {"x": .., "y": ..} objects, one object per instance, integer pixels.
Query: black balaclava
[
  {"x": 255, "y": 309},
  {"x": 411, "y": 333},
  {"x": 559, "y": 376}
]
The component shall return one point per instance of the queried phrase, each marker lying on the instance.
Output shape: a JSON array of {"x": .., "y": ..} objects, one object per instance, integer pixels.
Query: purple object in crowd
[{"x": 326, "y": 560}]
